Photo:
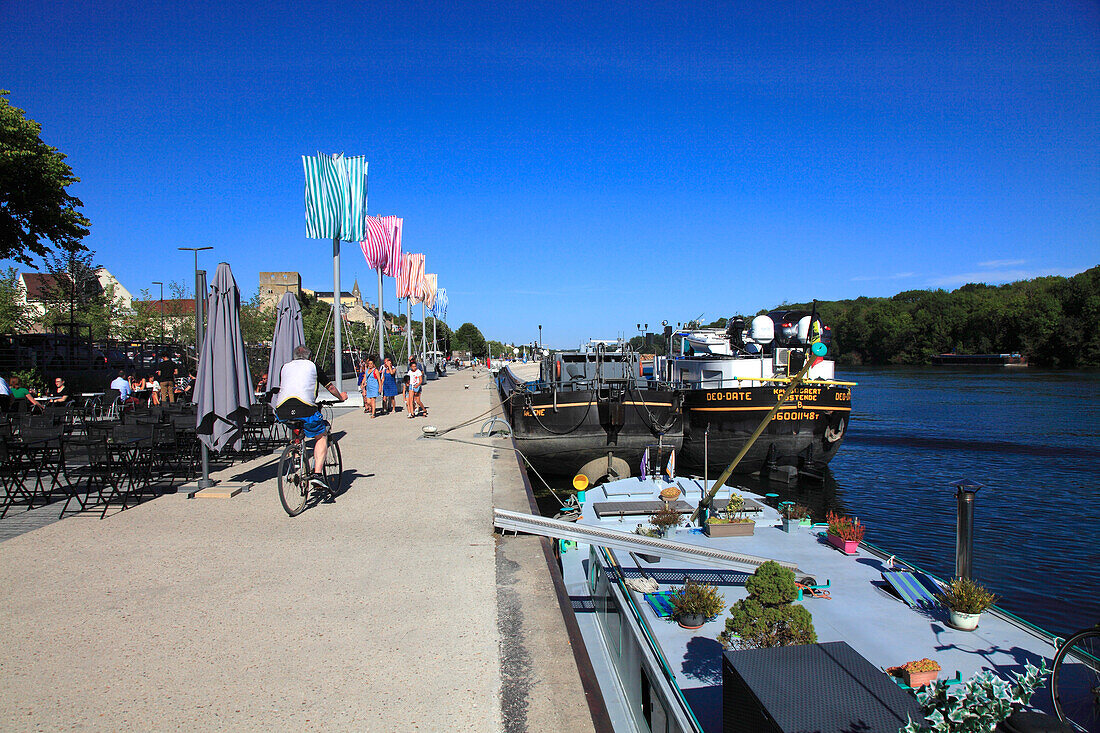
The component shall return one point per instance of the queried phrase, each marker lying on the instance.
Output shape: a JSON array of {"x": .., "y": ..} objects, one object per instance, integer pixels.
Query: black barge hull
[
  {"x": 807, "y": 431},
  {"x": 561, "y": 433}
]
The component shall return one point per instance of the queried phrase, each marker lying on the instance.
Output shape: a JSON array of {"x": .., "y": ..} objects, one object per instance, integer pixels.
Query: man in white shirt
[
  {"x": 123, "y": 386},
  {"x": 298, "y": 382}
]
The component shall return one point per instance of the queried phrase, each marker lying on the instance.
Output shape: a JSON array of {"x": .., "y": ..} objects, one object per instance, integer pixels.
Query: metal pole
[
  {"x": 381, "y": 321},
  {"x": 157, "y": 282},
  {"x": 205, "y": 481},
  {"x": 965, "y": 492},
  {"x": 409, "y": 326},
  {"x": 337, "y": 346},
  {"x": 423, "y": 330}
]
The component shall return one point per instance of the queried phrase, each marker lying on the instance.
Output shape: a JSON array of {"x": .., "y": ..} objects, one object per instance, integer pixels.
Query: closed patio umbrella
[
  {"x": 223, "y": 388},
  {"x": 288, "y": 336}
]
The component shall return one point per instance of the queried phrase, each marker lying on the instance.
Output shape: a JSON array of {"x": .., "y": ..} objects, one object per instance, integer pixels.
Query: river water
[{"x": 1031, "y": 437}]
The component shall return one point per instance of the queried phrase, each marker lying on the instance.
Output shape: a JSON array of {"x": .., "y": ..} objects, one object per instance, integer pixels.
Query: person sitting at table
[
  {"x": 152, "y": 384},
  {"x": 19, "y": 392},
  {"x": 5, "y": 395},
  {"x": 60, "y": 392},
  {"x": 188, "y": 392},
  {"x": 122, "y": 384}
]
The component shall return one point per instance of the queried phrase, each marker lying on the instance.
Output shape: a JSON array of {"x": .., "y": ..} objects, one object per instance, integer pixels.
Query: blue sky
[{"x": 586, "y": 166}]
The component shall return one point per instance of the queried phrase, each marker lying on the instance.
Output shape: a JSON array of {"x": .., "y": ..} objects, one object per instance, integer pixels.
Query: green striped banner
[{"x": 336, "y": 196}]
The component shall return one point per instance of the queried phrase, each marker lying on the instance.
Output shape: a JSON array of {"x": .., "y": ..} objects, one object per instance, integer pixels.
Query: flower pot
[
  {"x": 804, "y": 522},
  {"x": 691, "y": 620},
  {"x": 920, "y": 679},
  {"x": 848, "y": 547},
  {"x": 790, "y": 525},
  {"x": 962, "y": 621},
  {"x": 732, "y": 529}
]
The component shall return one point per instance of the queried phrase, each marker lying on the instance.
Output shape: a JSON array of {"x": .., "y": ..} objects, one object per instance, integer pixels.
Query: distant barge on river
[{"x": 1008, "y": 360}]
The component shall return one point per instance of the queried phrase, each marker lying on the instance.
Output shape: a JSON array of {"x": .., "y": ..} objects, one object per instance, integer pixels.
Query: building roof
[
  {"x": 39, "y": 284},
  {"x": 173, "y": 307}
]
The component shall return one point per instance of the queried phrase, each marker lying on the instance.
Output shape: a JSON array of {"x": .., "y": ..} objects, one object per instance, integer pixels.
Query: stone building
[{"x": 274, "y": 284}]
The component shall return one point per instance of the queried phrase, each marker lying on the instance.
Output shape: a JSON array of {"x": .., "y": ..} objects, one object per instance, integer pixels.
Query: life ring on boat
[
  {"x": 834, "y": 431},
  {"x": 557, "y": 365}
]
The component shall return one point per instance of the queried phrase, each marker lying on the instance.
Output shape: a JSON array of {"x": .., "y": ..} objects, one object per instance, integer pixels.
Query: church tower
[{"x": 355, "y": 293}]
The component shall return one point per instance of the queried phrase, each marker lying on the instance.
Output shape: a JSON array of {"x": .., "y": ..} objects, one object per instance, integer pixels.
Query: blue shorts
[{"x": 314, "y": 425}]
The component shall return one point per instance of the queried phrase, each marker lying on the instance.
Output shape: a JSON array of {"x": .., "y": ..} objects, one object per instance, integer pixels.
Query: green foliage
[
  {"x": 32, "y": 379},
  {"x": 15, "y": 316},
  {"x": 966, "y": 596},
  {"x": 977, "y": 705},
  {"x": 469, "y": 338},
  {"x": 77, "y": 298},
  {"x": 772, "y": 584},
  {"x": 733, "y": 513},
  {"x": 34, "y": 205},
  {"x": 693, "y": 597},
  {"x": 768, "y": 617},
  {"x": 1050, "y": 319}
]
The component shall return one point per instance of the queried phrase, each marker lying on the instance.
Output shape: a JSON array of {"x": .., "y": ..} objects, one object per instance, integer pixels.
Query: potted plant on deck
[
  {"x": 694, "y": 603},
  {"x": 845, "y": 533},
  {"x": 793, "y": 515},
  {"x": 666, "y": 520},
  {"x": 731, "y": 521},
  {"x": 917, "y": 673},
  {"x": 965, "y": 600}
]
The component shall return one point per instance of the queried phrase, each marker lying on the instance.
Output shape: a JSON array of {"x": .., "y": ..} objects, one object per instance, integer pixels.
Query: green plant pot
[{"x": 733, "y": 529}]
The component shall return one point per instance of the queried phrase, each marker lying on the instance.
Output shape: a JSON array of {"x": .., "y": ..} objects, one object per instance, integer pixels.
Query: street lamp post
[
  {"x": 198, "y": 300},
  {"x": 161, "y": 303},
  {"x": 540, "y": 335}
]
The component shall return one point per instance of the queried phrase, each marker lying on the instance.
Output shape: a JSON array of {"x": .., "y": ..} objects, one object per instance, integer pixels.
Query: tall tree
[
  {"x": 37, "y": 214},
  {"x": 15, "y": 315}
]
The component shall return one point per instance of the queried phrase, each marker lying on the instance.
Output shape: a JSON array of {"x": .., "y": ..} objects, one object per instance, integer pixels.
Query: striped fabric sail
[
  {"x": 336, "y": 196},
  {"x": 441, "y": 302},
  {"x": 393, "y": 265},
  {"x": 378, "y": 243},
  {"x": 431, "y": 285},
  {"x": 410, "y": 283}
]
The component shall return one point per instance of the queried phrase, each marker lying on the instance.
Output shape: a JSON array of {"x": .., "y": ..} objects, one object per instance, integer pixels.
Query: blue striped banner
[{"x": 336, "y": 196}]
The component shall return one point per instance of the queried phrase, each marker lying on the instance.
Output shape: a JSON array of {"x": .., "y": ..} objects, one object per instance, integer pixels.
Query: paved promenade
[{"x": 379, "y": 612}]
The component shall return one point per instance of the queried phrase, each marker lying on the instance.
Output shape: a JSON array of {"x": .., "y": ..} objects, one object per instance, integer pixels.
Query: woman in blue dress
[
  {"x": 389, "y": 385},
  {"x": 371, "y": 387}
]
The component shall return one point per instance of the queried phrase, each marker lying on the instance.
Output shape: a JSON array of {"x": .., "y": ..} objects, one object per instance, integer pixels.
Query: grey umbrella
[
  {"x": 288, "y": 336},
  {"x": 223, "y": 388}
]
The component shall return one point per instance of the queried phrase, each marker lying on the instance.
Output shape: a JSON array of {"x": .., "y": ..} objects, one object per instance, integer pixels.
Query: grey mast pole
[
  {"x": 424, "y": 331},
  {"x": 381, "y": 322},
  {"x": 337, "y": 346},
  {"x": 409, "y": 325}
]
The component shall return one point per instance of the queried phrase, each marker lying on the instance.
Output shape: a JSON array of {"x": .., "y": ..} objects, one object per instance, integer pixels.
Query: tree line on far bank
[{"x": 1054, "y": 321}]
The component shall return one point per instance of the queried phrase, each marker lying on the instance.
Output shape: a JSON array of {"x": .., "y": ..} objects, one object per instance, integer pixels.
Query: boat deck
[{"x": 862, "y": 611}]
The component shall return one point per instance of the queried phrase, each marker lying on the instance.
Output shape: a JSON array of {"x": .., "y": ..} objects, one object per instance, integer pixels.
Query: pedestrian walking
[
  {"x": 372, "y": 382},
  {"x": 416, "y": 386},
  {"x": 389, "y": 385}
]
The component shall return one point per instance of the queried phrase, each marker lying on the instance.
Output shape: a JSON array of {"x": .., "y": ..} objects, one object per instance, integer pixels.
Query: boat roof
[{"x": 862, "y": 610}]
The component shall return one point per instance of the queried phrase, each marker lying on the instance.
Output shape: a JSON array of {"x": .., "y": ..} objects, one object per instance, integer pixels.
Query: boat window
[
  {"x": 713, "y": 375},
  {"x": 652, "y": 710}
]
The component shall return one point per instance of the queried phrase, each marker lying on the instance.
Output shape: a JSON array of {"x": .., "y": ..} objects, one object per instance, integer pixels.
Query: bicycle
[
  {"x": 296, "y": 465},
  {"x": 1075, "y": 680}
]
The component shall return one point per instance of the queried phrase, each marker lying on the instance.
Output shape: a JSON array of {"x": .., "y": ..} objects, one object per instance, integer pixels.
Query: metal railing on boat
[{"x": 627, "y": 541}]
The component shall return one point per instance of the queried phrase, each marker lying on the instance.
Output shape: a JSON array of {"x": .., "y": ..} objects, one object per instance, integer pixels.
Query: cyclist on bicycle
[{"x": 298, "y": 381}]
